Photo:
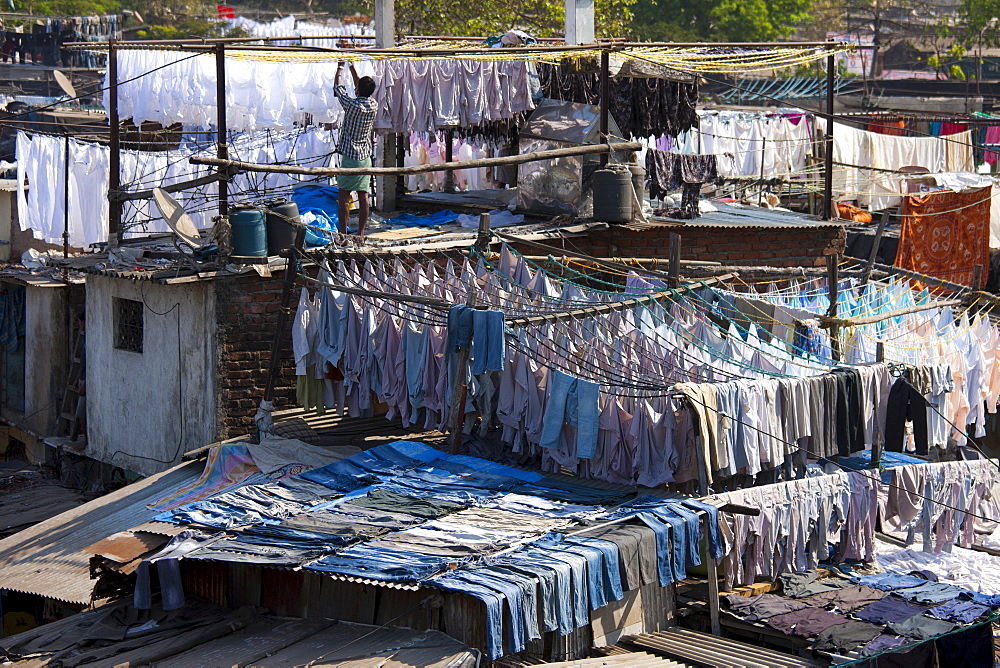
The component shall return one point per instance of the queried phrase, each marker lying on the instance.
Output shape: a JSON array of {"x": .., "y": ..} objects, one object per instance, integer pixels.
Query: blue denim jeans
[
  {"x": 666, "y": 561},
  {"x": 715, "y": 548},
  {"x": 595, "y": 571},
  {"x": 459, "y": 327},
  {"x": 575, "y": 401},
  {"x": 891, "y": 581},
  {"x": 530, "y": 589},
  {"x": 578, "y": 580},
  {"x": 547, "y": 591},
  {"x": 494, "y": 610},
  {"x": 562, "y": 603},
  {"x": 514, "y": 596},
  {"x": 489, "y": 348},
  {"x": 382, "y": 564},
  {"x": 692, "y": 530},
  {"x": 611, "y": 570}
]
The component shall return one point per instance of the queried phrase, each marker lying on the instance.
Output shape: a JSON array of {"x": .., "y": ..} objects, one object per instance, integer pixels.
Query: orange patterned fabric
[{"x": 945, "y": 234}]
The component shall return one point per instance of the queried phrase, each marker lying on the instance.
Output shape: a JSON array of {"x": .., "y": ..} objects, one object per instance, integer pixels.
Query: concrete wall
[
  {"x": 144, "y": 410},
  {"x": 46, "y": 364},
  {"x": 46, "y": 357}
]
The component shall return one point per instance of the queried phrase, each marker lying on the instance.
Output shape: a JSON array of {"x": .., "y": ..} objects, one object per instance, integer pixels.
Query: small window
[{"x": 128, "y": 325}]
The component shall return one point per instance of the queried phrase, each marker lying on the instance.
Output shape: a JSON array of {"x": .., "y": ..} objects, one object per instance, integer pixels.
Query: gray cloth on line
[
  {"x": 847, "y": 636},
  {"x": 847, "y": 599},
  {"x": 762, "y": 606},
  {"x": 921, "y": 627}
]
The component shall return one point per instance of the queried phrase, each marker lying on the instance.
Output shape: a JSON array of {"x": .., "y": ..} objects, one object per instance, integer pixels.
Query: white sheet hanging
[
  {"x": 176, "y": 87},
  {"x": 40, "y": 160}
]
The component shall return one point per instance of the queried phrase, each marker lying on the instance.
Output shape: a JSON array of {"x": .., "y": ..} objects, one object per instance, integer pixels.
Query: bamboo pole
[{"x": 418, "y": 169}]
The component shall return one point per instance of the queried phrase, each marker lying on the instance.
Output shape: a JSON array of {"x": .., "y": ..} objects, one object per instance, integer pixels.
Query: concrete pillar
[
  {"x": 385, "y": 24},
  {"x": 385, "y": 146},
  {"x": 579, "y": 21}
]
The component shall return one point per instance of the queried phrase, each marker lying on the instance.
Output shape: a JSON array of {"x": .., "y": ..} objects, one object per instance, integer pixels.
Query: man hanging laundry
[{"x": 355, "y": 146}]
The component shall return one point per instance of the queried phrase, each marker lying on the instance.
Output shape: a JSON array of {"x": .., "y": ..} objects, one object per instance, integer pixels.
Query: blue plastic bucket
[{"x": 249, "y": 231}]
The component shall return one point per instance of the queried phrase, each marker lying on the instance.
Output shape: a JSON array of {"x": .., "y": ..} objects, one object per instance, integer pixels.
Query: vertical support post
[
  {"x": 712, "y": 571},
  {"x": 222, "y": 148},
  {"x": 65, "y": 234},
  {"x": 484, "y": 234},
  {"x": 977, "y": 277},
  {"x": 605, "y": 100},
  {"x": 877, "y": 445},
  {"x": 385, "y": 24},
  {"x": 459, "y": 389},
  {"x": 828, "y": 157},
  {"x": 833, "y": 287},
  {"x": 449, "y": 156},
  {"x": 291, "y": 273},
  {"x": 114, "y": 162},
  {"x": 579, "y": 25},
  {"x": 386, "y": 187},
  {"x": 400, "y": 152},
  {"x": 674, "y": 267},
  {"x": 876, "y": 243},
  {"x": 763, "y": 150}
]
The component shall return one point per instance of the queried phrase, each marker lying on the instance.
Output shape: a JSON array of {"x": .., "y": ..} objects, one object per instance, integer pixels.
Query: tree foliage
[
  {"x": 718, "y": 20},
  {"x": 490, "y": 17},
  {"x": 979, "y": 23}
]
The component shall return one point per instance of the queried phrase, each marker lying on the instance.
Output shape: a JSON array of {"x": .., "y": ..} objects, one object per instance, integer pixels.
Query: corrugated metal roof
[
  {"x": 728, "y": 215},
  {"x": 49, "y": 559}
]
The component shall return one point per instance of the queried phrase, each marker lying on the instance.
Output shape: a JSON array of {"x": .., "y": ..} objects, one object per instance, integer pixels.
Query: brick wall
[
  {"x": 771, "y": 247},
  {"x": 247, "y": 309}
]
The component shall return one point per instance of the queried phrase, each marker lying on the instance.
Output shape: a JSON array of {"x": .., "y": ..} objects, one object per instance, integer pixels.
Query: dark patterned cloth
[
  {"x": 641, "y": 107},
  {"x": 667, "y": 172}
]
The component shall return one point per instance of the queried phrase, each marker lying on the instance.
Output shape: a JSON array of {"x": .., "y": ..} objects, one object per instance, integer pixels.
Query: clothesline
[{"x": 553, "y": 349}]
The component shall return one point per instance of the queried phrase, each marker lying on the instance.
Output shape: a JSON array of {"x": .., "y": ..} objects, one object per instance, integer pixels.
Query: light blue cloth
[
  {"x": 574, "y": 401},
  {"x": 415, "y": 350},
  {"x": 332, "y": 325}
]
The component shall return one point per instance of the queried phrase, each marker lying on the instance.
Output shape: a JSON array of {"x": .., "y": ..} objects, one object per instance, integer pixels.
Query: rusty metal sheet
[{"x": 126, "y": 546}]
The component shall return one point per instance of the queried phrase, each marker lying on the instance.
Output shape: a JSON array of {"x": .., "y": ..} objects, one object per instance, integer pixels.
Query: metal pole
[
  {"x": 867, "y": 272},
  {"x": 222, "y": 149},
  {"x": 674, "y": 268},
  {"x": 114, "y": 163},
  {"x": 712, "y": 571},
  {"x": 449, "y": 156},
  {"x": 828, "y": 167},
  {"x": 605, "y": 99},
  {"x": 65, "y": 234},
  {"x": 291, "y": 273},
  {"x": 763, "y": 152},
  {"x": 833, "y": 288}
]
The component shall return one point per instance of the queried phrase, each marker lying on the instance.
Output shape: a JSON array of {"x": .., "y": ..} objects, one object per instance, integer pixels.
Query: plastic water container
[
  {"x": 249, "y": 231},
  {"x": 281, "y": 218},
  {"x": 612, "y": 186},
  {"x": 638, "y": 180}
]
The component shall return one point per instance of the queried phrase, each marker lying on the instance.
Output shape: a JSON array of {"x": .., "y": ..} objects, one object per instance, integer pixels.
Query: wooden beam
[
  {"x": 419, "y": 169},
  {"x": 857, "y": 322},
  {"x": 128, "y": 196},
  {"x": 867, "y": 272},
  {"x": 611, "y": 307}
]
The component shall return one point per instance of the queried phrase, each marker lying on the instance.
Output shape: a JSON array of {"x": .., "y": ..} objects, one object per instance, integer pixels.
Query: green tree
[
  {"x": 490, "y": 17},
  {"x": 718, "y": 20}
]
